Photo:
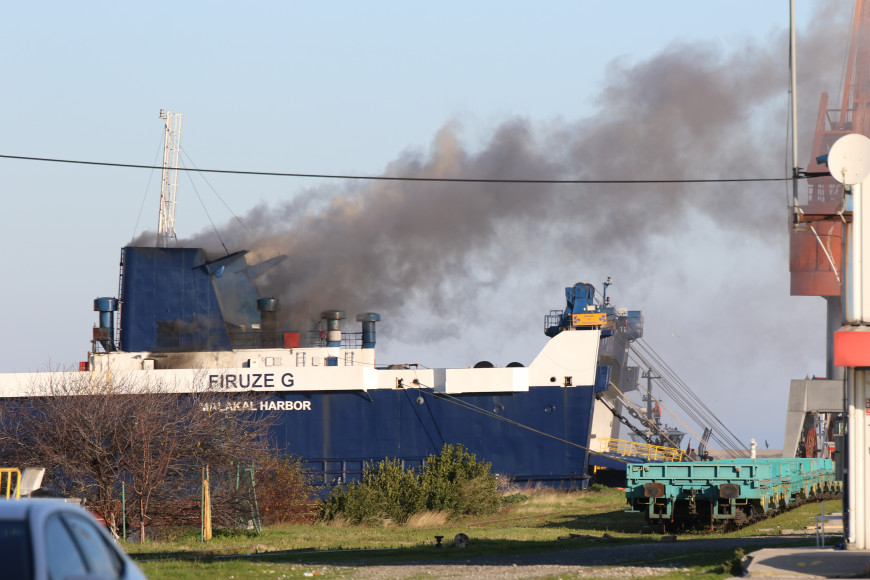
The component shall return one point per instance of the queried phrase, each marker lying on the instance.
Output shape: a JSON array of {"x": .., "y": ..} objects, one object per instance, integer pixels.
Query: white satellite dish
[{"x": 849, "y": 159}]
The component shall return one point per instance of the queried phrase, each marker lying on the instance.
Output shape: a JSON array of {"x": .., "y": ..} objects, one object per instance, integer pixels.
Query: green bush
[
  {"x": 514, "y": 498},
  {"x": 387, "y": 491},
  {"x": 453, "y": 481}
]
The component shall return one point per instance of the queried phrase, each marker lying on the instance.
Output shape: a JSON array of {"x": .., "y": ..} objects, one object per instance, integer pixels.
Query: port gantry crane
[
  {"x": 817, "y": 264},
  {"x": 813, "y": 253},
  {"x": 816, "y": 245}
]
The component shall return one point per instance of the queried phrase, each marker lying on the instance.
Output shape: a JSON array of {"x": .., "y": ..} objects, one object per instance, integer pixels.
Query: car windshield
[{"x": 14, "y": 549}]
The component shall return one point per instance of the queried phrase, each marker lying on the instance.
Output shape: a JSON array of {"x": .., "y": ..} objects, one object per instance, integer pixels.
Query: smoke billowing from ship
[{"x": 689, "y": 112}]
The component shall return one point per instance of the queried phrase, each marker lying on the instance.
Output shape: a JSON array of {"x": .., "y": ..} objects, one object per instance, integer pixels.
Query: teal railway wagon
[{"x": 727, "y": 491}]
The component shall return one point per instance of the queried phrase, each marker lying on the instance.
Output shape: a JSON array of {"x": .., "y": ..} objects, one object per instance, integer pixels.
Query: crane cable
[
  {"x": 684, "y": 396},
  {"x": 626, "y": 401},
  {"x": 699, "y": 412},
  {"x": 694, "y": 411}
]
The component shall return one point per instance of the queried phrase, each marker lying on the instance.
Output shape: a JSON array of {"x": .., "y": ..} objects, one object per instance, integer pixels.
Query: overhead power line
[{"x": 400, "y": 178}]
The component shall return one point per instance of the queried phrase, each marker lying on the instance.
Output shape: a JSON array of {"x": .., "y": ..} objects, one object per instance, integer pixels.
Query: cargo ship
[
  {"x": 195, "y": 323},
  {"x": 191, "y": 322}
]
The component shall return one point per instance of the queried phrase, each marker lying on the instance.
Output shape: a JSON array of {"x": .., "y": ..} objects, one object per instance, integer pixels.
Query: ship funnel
[
  {"x": 333, "y": 320},
  {"x": 368, "y": 320},
  {"x": 268, "y": 308},
  {"x": 269, "y": 336},
  {"x": 105, "y": 334}
]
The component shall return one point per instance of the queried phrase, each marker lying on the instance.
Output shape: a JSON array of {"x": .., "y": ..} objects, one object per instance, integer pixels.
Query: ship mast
[{"x": 169, "y": 183}]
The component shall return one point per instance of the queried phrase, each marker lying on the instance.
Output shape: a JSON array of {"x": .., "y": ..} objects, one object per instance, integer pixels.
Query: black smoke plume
[{"x": 692, "y": 111}]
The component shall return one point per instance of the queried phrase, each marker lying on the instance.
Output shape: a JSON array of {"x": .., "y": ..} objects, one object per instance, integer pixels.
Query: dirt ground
[{"x": 587, "y": 562}]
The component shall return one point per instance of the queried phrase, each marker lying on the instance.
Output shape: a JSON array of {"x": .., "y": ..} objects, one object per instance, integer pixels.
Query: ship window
[
  {"x": 300, "y": 359},
  {"x": 348, "y": 359},
  {"x": 168, "y": 333}
]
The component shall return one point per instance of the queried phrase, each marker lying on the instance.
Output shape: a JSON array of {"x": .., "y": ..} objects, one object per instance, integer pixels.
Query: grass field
[{"x": 533, "y": 523}]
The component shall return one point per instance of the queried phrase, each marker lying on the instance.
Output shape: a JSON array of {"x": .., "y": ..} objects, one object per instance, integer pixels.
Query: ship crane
[{"x": 169, "y": 183}]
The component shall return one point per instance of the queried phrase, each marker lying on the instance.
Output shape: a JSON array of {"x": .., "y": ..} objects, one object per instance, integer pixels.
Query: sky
[{"x": 460, "y": 272}]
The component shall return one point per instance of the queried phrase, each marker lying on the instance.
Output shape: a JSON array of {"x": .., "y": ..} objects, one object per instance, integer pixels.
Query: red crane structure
[
  {"x": 816, "y": 248},
  {"x": 823, "y": 265}
]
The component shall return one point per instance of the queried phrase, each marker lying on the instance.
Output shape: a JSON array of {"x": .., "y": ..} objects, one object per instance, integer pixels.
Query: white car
[{"x": 45, "y": 539}]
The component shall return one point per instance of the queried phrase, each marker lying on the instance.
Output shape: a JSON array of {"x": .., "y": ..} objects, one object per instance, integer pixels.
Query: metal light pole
[{"x": 849, "y": 163}]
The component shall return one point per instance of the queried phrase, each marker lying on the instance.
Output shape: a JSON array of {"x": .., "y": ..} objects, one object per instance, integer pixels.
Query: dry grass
[
  {"x": 539, "y": 500},
  {"x": 428, "y": 519},
  {"x": 548, "y": 515},
  {"x": 338, "y": 521}
]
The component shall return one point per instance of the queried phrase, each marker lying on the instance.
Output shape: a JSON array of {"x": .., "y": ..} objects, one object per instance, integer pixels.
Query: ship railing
[
  {"x": 624, "y": 448},
  {"x": 342, "y": 472},
  {"x": 279, "y": 339},
  {"x": 824, "y": 192},
  {"x": 553, "y": 319},
  {"x": 317, "y": 338},
  {"x": 243, "y": 340},
  {"x": 97, "y": 347}
]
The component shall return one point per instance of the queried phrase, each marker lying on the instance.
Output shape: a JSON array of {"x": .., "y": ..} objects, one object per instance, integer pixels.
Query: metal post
[
  {"x": 794, "y": 153},
  {"x": 849, "y": 163},
  {"x": 205, "y": 508},
  {"x": 857, "y": 477},
  {"x": 255, "y": 506},
  {"x": 859, "y": 398},
  {"x": 124, "y": 511}
]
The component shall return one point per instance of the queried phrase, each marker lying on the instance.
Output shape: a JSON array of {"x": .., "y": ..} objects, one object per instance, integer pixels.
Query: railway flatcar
[{"x": 728, "y": 492}]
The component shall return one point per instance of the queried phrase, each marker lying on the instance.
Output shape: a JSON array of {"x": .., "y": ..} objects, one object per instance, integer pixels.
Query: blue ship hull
[{"x": 540, "y": 435}]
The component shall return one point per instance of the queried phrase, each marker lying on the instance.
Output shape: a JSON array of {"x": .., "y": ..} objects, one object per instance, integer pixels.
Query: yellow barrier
[
  {"x": 649, "y": 452},
  {"x": 8, "y": 472}
]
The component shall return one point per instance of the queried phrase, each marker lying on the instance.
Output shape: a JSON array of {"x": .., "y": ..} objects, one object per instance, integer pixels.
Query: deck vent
[
  {"x": 333, "y": 320},
  {"x": 105, "y": 334},
  {"x": 268, "y": 309},
  {"x": 368, "y": 320}
]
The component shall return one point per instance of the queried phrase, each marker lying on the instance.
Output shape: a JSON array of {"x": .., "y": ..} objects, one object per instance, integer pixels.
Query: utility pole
[{"x": 649, "y": 376}]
